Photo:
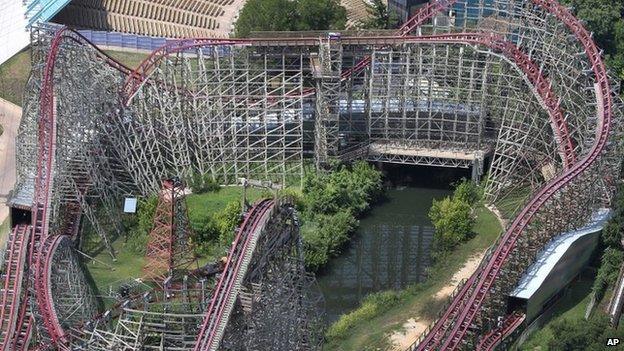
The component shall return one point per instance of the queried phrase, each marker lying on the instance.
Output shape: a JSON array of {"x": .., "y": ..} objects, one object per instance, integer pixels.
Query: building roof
[{"x": 553, "y": 252}]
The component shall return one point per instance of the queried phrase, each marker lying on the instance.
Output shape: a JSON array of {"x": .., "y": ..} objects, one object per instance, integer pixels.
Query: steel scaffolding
[{"x": 518, "y": 82}]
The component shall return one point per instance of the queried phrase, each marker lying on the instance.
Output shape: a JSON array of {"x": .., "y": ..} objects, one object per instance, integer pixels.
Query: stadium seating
[{"x": 163, "y": 18}]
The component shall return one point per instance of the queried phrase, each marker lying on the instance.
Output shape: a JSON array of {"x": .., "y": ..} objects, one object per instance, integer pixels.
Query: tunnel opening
[
  {"x": 402, "y": 175},
  {"x": 20, "y": 216}
]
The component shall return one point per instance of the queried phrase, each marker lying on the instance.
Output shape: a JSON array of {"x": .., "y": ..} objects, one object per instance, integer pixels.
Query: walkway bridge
[{"x": 94, "y": 131}]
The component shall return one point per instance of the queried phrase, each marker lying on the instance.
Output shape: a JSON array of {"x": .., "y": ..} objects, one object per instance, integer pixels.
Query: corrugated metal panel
[{"x": 43, "y": 10}]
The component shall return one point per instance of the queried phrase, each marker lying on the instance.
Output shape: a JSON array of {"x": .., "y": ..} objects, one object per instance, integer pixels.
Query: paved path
[{"x": 10, "y": 116}]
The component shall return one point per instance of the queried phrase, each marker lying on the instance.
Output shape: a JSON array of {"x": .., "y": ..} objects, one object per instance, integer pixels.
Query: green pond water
[{"x": 390, "y": 250}]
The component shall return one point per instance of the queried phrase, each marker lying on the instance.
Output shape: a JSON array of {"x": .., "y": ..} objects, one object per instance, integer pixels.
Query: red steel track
[
  {"x": 143, "y": 71},
  {"x": 465, "y": 306},
  {"x": 226, "y": 291},
  {"x": 532, "y": 72},
  {"x": 14, "y": 276},
  {"x": 40, "y": 241},
  {"x": 493, "y": 338}
]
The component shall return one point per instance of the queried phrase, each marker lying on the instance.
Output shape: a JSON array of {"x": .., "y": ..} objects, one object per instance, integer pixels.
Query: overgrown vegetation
[
  {"x": 581, "y": 334},
  {"x": 202, "y": 183},
  {"x": 380, "y": 16},
  {"x": 330, "y": 204},
  {"x": 605, "y": 18},
  {"x": 379, "y": 314},
  {"x": 453, "y": 218},
  {"x": 290, "y": 15},
  {"x": 477, "y": 229},
  {"x": 613, "y": 255}
]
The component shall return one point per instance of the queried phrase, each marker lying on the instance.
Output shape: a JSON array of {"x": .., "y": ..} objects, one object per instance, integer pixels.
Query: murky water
[{"x": 390, "y": 250}]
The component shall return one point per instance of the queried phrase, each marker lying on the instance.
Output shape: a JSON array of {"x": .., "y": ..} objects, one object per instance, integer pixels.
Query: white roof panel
[
  {"x": 13, "y": 33},
  {"x": 553, "y": 252}
]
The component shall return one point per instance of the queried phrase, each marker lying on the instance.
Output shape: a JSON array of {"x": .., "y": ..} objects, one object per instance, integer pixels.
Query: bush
[
  {"x": 205, "y": 231},
  {"x": 353, "y": 188},
  {"x": 580, "y": 334},
  {"x": 468, "y": 192},
  {"x": 371, "y": 306},
  {"x": 452, "y": 218},
  {"x": 139, "y": 226},
  {"x": 613, "y": 256},
  {"x": 608, "y": 271},
  {"x": 201, "y": 184},
  {"x": 331, "y": 202},
  {"x": 227, "y": 220},
  {"x": 453, "y": 222},
  {"x": 296, "y": 196},
  {"x": 325, "y": 240}
]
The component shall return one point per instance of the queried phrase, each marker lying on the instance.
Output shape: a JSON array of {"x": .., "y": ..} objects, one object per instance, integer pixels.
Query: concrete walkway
[{"x": 10, "y": 116}]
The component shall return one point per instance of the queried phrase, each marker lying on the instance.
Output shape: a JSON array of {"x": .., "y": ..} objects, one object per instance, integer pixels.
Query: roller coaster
[{"x": 522, "y": 80}]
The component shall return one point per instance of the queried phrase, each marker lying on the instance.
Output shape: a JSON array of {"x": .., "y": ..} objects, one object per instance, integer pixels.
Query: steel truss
[{"x": 169, "y": 248}]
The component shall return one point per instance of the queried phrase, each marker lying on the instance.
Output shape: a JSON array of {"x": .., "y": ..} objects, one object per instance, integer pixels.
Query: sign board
[{"x": 130, "y": 205}]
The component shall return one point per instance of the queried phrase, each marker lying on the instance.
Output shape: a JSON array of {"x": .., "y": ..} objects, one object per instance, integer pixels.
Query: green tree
[
  {"x": 453, "y": 222},
  {"x": 205, "y": 231},
  {"x": 605, "y": 19},
  {"x": 320, "y": 15},
  {"x": 608, "y": 271},
  {"x": 202, "y": 183},
  {"x": 380, "y": 16},
  {"x": 468, "y": 191},
  {"x": 227, "y": 220},
  {"x": 270, "y": 15},
  {"x": 288, "y": 15}
]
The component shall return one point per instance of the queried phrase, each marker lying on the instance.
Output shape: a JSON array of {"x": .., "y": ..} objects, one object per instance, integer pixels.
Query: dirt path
[
  {"x": 10, "y": 116},
  {"x": 413, "y": 327}
]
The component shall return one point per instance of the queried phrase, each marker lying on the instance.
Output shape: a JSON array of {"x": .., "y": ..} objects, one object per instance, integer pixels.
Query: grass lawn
[
  {"x": 129, "y": 265},
  {"x": 370, "y": 331},
  {"x": 208, "y": 204},
  {"x": 4, "y": 231},
  {"x": 13, "y": 76},
  {"x": 130, "y": 59},
  {"x": 14, "y": 73}
]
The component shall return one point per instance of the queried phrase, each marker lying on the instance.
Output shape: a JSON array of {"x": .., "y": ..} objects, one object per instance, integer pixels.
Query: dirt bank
[{"x": 415, "y": 326}]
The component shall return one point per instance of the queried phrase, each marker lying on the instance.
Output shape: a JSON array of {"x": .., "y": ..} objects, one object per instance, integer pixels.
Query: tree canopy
[
  {"x": 605, "y": 18},
  {"x": 380, "y": 16},
  {"x": 290, "y": 15}
]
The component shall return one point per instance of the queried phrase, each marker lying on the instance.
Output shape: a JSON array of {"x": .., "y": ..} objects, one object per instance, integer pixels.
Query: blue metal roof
[{"x": 43, "y": 10}]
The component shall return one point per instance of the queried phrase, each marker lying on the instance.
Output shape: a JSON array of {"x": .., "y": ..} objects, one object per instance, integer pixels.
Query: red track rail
[
  {"x": 15, "y": 256},
  {"x": 37, "y": 256},
  {"x": 467, "y": 305},
  {"x": 143, "y": 71},
  {"x": 493, "y": 338},
  {"x": 224, "y": 293},
  {"x": 540, "y": 83}
]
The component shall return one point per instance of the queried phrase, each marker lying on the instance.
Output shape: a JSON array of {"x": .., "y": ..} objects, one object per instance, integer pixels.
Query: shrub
[
  {"x": 202, "y": 183},
  {"x": 296, "y": 196},
  {"x": 371, "y": 306},
  {"x": 326, "y": 239},
  {"x": 453, "y": 222},
  {"x": 205, "y": 231},
  {"x": 581, "y": 334},
  {"x": 227, "y": 220},
  {"x": 608, "y": 271},
  {"x": 452, "y": 217},
  {"x": 468, "y": 191}
]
